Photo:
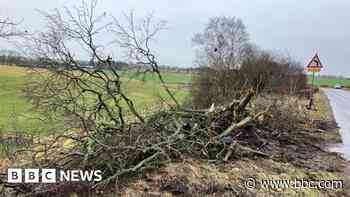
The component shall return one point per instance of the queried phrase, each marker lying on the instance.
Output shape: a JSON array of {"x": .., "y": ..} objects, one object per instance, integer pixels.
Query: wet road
[{"x": 340, "y": 102}]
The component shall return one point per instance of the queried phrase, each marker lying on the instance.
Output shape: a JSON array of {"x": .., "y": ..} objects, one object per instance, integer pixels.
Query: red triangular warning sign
[{"x": 315, "y": 62}]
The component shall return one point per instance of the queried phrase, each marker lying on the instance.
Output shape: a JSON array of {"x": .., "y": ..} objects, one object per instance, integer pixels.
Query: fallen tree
[{"x": 220, "y": 134}]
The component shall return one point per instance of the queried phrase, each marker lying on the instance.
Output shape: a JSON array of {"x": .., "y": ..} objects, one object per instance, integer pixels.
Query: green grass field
[
  {"x": 16, "y": 114},
  {"x": 332, "y": 82},
  {"x": 170, "y": 78}
]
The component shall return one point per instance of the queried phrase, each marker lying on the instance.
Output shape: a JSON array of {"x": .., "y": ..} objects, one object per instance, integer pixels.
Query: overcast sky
[{"x": 298, "y": 28}]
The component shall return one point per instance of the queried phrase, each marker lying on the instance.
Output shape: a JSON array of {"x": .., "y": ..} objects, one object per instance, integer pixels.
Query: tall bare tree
[
  {"x": 223, "y": 43},
  {"x": 221, "y": 49}
]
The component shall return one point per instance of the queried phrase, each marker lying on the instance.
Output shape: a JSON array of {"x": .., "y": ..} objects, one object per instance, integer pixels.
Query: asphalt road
[{"x": 340, "y": 102}]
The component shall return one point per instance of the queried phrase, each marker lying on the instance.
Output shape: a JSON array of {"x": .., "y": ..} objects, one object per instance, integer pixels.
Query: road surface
[{"x": 340, "y": 102}]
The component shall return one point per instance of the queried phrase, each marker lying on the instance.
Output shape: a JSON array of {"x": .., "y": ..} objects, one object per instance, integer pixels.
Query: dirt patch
[{"x": 196, "y": 178}]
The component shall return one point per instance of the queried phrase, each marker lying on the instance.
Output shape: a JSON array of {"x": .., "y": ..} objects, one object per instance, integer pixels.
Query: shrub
[
  {"x": 214, "y": 86},
  {"x": 266, "y": 72},
  {"x": 261, "y": 72}
]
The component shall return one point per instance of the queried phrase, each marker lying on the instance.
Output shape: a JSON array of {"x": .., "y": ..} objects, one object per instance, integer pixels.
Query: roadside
[{"x": 324, "y": 113}]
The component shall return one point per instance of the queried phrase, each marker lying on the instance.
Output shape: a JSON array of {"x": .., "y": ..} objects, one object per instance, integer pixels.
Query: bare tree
[
  {"x": 223, "y": 44},
  {"x": 98, "y": 82},
  {"x": 221, "y": 49},
  {"x": 232, "y": 64},
  {"x": 91, "y": 97}
]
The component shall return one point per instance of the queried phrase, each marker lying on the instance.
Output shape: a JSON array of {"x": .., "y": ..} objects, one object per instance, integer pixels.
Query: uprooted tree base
[{"x": 271, "y": 130}]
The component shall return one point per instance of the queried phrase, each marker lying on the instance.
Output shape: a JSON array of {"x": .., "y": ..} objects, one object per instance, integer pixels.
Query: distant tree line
[{"x": 11, "y": 57}]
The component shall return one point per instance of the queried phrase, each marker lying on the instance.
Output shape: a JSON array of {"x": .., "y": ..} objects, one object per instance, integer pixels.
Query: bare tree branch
[
  {"x": 8, "y": 28},
  {"x": 135, "y": 38}
]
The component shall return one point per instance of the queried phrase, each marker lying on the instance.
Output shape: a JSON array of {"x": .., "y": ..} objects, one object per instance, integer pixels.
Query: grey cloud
[{"x": 297, "y": 27}]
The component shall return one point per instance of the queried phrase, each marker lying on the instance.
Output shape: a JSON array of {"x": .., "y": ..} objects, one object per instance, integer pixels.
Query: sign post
[{"x": 314, "y": 66}]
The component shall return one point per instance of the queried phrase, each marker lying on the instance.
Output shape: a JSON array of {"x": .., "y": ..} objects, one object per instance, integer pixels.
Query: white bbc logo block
[
  {"x": 31, "y": 175},
  {"x": 48, "y": 175},
  {"x": 14, "y": 175}
]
